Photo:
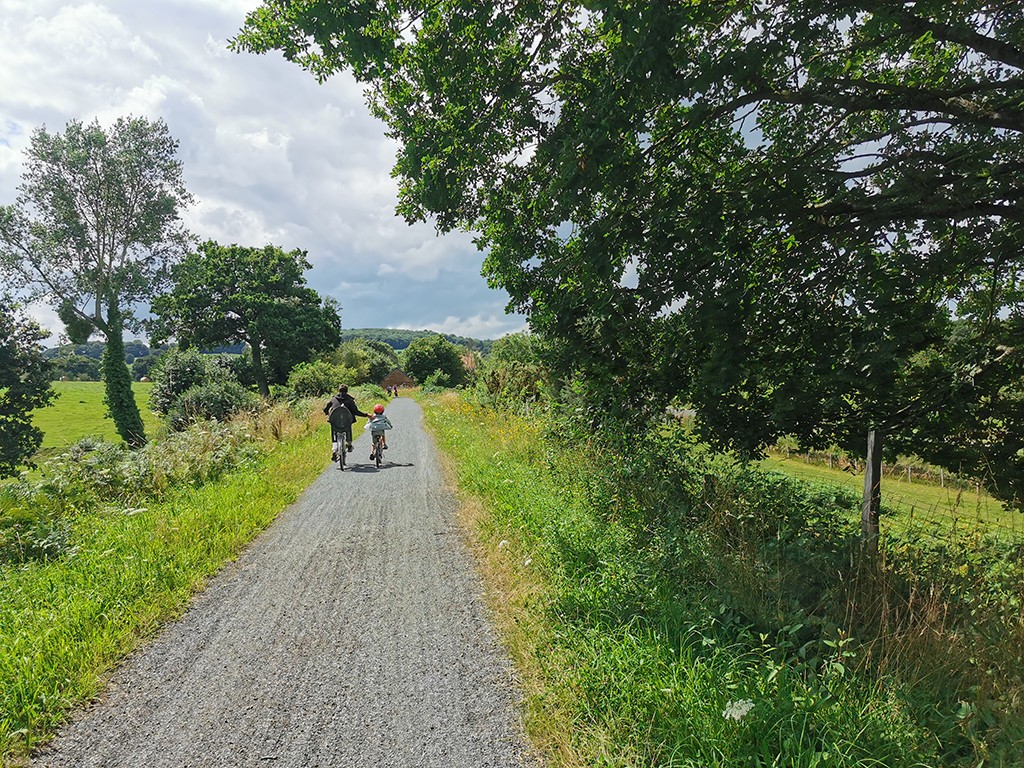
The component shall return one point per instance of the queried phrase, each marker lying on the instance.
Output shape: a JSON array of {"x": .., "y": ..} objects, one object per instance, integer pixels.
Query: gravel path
[{"x": 351, "y": 633}]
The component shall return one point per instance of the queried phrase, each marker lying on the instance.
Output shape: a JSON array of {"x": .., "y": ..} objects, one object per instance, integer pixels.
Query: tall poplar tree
[{"x": 93, "y": 233}]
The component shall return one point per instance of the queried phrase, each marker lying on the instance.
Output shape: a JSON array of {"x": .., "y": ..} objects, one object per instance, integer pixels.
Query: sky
[{"x": 270, "y": 155}]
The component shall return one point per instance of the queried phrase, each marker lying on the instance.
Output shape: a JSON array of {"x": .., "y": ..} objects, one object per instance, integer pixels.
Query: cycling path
[{"x": 351, "y": 633}]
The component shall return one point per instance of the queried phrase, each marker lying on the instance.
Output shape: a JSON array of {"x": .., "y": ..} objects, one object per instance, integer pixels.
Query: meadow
[
  {"x": 79, "y": 412},
  {"x": 917, "y": 505}
]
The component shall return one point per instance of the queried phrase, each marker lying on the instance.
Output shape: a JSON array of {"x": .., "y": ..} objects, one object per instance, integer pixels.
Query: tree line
[{"x": 399, "y": 339}]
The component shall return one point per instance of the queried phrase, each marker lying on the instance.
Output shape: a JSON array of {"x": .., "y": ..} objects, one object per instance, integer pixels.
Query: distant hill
[{"x": 400, "y": 339}]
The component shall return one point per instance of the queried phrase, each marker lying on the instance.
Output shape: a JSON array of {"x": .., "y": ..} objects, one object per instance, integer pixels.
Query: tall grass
[
  {"x": 130, "y": 559},
  {"x": 668, "y": 607}
]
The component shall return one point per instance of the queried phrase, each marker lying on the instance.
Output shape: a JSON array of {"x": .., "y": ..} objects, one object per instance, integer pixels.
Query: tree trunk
[
  {"x": 258, "y": 372},
  {"x": 872, "y": 491},
  {"x": 117, "y": 382}
]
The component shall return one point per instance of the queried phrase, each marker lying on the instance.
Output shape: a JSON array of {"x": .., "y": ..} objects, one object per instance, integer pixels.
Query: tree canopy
[
  {"x": 94, "y": 231},
  {"x": 369, "y": 360},
  {"x": 769, "y": 210},
  {"x": 224, "y": 294},
  {"x": 24, "y": 386},
  {"x": 429, "y": 354}
]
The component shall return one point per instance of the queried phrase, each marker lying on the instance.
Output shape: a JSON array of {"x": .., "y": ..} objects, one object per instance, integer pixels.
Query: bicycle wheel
[
  {"x": 377, "y": 451},
  {"x": 341, "y": 453}
]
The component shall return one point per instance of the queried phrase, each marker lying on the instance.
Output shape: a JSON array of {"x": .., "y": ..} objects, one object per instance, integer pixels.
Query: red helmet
[{"x": 378, "y": 408}]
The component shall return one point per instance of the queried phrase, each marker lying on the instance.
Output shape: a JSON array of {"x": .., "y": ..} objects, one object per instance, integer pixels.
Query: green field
[
  {"x": 921, "y": 506},
  {"x": 79, "y": 412}
]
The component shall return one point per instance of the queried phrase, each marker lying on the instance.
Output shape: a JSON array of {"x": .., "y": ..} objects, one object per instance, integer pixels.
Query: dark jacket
[{"x": 347, "y": 401}]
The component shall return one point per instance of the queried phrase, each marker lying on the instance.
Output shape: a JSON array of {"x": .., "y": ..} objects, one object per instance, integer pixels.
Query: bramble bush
[{"x": 36, "y": 515}]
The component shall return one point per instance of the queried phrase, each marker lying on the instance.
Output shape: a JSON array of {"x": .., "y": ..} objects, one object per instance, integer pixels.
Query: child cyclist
[{"x": 378, "y": 426}]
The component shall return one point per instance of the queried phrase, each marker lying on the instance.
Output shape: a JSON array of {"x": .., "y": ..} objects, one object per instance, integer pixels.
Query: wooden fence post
[{"x": 872, "y": 491}]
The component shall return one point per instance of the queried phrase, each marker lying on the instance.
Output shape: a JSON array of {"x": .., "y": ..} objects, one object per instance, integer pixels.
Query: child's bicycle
[
  {"x": 378, "y": 447},
  {"x": 377, "y": 424}
]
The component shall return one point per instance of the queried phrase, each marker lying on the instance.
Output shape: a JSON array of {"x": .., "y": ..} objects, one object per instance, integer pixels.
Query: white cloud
[{"x": 270, "y": 155}]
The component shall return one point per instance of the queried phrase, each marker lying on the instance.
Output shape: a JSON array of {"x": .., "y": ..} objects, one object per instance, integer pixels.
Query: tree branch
[
  {"x": 901, "y": 100},
  {"x": 915, "y": 25}
]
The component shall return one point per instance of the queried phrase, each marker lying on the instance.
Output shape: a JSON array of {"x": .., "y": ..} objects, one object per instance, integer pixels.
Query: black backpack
[{"x": 340, "y": 416}]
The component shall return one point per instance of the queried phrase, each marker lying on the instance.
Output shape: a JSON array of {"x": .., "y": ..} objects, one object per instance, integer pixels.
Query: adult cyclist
[{"x": 342, "y": 425}]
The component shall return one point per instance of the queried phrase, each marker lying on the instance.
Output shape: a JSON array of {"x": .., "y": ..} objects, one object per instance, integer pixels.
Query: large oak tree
[
  {"x": 225, "y": 294},
  {"x": 93, "y": 233},
  {"x": 769, "y": 209}
]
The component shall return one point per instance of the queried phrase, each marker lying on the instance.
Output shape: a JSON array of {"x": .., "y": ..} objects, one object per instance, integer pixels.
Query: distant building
[{"x": 397, "y": 379}]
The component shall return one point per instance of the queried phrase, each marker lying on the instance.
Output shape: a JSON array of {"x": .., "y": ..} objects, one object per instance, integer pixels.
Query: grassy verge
[
  {"x": 65, "y": 623},
  {"x": 682, "y": 613},
  {"x": 79, "y": 412}
]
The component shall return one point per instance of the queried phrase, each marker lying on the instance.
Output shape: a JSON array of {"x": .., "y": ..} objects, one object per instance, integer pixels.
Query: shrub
[
  {"x": 317, "y": 379},
  {"x": 216, "y": 399},
  {"x": 190, "y": 386},
  {"x": 436, "y": 382},
  {"x": 279, "y": 393},
  {"x": 175, "y": 372}
]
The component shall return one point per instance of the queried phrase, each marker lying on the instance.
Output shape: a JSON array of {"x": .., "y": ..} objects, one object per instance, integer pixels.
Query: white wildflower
[
  {"x": 737, "y": 710},
  {"x": 503, "y": 545},
  {"x": 527, "y": 561}
]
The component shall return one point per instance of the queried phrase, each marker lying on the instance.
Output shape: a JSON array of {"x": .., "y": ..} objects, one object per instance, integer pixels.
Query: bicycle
[
  {"x": 341, "y": 432},
  {"x": 338, "y": 438},
  {"x": 378, "y": 447}
]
